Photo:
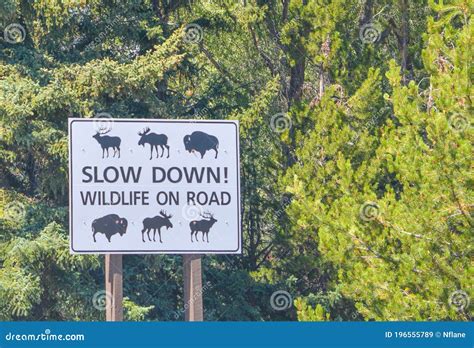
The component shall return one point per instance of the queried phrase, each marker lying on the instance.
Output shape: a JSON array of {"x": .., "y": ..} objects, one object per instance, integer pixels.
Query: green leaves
[
  {"x": 133, "y": 312},
  {"x": 19, "y": 292},
  {"x": 33, "y": 268}
]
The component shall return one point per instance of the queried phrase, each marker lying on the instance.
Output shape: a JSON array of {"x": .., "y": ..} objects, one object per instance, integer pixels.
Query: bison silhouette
[
  {"x": 201, "y": 142},
  {"x": 109, "y": 225}
]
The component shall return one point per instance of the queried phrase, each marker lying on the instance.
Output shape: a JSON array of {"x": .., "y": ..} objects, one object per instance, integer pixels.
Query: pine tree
[{"x": 387, "y": 196}]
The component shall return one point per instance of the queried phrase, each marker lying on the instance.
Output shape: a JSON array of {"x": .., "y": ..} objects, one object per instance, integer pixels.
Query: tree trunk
[
  {"x": 321, "y": 82},
  {"x": 296, "y": 81},
  {"x": 366, "y": 13},
  {"x": 403, "y": 38}
]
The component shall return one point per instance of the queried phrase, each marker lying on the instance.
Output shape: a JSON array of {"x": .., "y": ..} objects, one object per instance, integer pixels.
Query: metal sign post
[
  {"x": 193, "y": 309},
  {"x": 113, "y": 287}
]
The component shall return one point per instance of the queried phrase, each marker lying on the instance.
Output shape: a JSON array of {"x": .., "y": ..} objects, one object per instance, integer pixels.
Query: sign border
[{"x": 237, "y": 251}]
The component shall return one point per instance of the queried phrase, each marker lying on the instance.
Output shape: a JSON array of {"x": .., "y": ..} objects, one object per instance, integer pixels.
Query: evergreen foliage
[{"x": 356, "y": 146}]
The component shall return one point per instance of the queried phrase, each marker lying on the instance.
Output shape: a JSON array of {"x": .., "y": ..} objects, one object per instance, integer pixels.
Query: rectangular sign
[{"x": 154, "y": 186}]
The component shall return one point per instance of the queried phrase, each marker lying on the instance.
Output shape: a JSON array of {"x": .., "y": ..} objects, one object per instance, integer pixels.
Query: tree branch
[{"x": 216, "y": 64}]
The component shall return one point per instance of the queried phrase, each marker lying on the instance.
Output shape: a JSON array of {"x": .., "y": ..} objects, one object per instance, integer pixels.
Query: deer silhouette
[
  {"x": 156, "y": 223},
  {"x": 154, "y": 140},
  {"x": 202, "y": 226},
  {"x": 106, "y": 142}
]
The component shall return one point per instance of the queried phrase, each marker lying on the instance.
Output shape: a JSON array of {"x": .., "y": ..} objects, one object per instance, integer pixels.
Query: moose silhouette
[
  {"x": 201, "y": 142},
  {"x": 154, "y": 140},
  {"x": 156, "y": 223},
  {"x": 109, "y": 225},
  {"x": 202, "y": 226},
  {"x": 106, "y": 142}
]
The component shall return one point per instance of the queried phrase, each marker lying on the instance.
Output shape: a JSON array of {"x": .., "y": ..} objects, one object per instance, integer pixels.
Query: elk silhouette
[
  {"x": 202, "y": 226},
  {"x": 106, "y": 142},
  {"x": 154, "y": 140},
  {"x": 156, "y": 223}
]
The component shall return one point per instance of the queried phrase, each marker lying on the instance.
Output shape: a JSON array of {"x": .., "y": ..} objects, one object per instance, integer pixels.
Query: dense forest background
[{"x": 356, "y": 151}]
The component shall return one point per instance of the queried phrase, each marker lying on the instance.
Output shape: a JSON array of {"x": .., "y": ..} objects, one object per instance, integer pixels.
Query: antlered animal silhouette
[
  {"x": 202, "y": 226},
  {"x": 109, "y": 225},
  {"x": 156, "y": 223},
  {"x": 201, "y": 142},
  {"x": 154, "y": 140},
  {"x": 105, "y": 142}
]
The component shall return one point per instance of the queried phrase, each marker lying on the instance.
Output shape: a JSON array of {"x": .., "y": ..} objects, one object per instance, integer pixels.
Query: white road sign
[{"x": 154, "y": 186}]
